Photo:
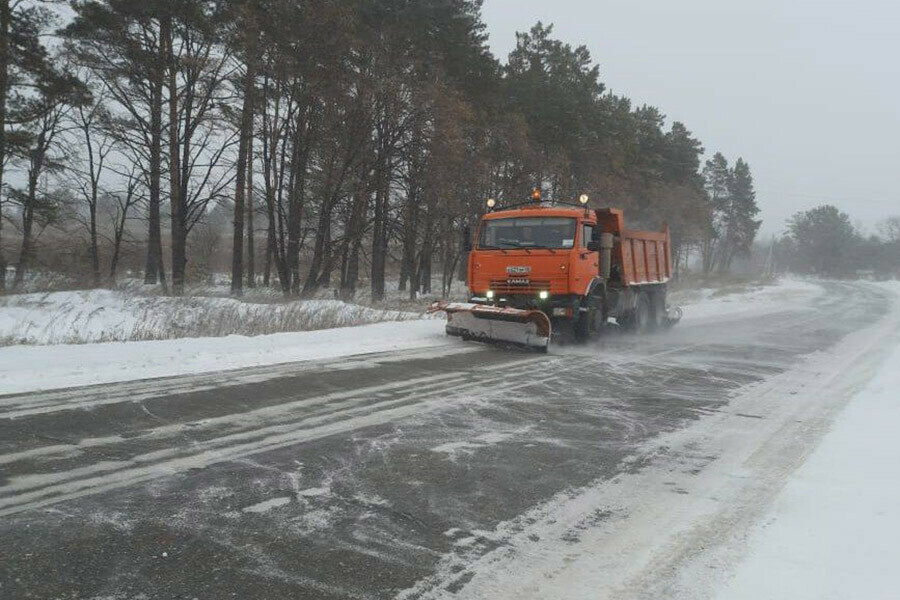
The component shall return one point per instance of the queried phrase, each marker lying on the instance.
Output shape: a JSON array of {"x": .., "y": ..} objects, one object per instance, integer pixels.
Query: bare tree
[
  {"x": 88, "y": 169},
  {"x": 123, "y": 202},
  {"x": 58, "y": 94},
  {"x": 890, "y": 229},
  {"x": 249, "y": 45}
]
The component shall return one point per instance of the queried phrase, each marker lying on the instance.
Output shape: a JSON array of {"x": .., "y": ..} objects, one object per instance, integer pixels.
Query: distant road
[{"x": 596, "y": 471}]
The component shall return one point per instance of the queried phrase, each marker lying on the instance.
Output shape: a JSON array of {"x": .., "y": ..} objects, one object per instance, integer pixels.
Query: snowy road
[{"x": 631, "y": 468}]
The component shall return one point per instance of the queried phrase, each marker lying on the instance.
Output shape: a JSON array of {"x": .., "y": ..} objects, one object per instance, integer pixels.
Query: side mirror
[
  {"x": 467, "y": 238},
  {"x": 593, "y": 246}
]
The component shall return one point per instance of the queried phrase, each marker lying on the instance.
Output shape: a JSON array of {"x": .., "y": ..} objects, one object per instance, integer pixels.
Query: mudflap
[{"x": 527, "y": 328}]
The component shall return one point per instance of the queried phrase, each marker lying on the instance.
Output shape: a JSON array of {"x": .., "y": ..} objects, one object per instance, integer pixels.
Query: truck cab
[
  {"x": 535, "y": 257},
  {"x": 579, "y": 266}
]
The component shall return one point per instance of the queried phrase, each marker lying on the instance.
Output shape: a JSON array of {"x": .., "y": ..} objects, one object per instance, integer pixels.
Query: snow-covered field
[{"x": 832, "y": 532}]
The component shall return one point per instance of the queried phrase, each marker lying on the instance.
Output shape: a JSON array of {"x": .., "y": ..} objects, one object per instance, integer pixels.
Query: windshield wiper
[{"x": 526, "y": 247}]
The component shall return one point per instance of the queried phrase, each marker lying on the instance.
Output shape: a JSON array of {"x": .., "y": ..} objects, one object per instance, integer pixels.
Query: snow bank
[
  {"x": 30, "y": 368},
  {"x": 104, "y": 316},
  {"x": 833, "y": 530}
]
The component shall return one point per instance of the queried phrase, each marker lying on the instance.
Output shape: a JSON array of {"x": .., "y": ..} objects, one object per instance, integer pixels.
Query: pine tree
[
  {"x": 716, "y": 175},
  {"x": 740, "y": 223},
  {"x": 23, "y": 64},
  {"x": 556, "y": 88}
]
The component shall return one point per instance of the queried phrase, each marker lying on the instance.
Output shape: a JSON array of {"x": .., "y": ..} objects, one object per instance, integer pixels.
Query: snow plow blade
[{"x": 530, "y": 328}]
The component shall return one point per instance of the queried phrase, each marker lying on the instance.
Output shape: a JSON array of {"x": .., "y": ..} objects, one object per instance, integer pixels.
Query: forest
[
  {"x": 824, "y": 242},
  {"x": 312, "y": 145}
]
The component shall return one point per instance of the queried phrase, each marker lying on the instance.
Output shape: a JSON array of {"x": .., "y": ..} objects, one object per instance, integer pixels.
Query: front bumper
[{"x": 557, "y": 307}]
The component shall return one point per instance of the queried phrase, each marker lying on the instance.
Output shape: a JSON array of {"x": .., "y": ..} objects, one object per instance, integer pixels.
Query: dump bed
[
  {"x": 645, "y": 256},
  {"x": 642, "y": 256}
]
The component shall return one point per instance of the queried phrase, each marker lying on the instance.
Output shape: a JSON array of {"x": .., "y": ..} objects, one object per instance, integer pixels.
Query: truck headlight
[
  {"x": 543, "y": 295},
  {"x": 490, "y": 294}
]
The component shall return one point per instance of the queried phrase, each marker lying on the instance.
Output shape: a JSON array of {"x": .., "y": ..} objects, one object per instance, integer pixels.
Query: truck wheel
[
  {"x": 641, "y": 321},
  {"x": 582, "y": 326},
  {"x": 657, "y": 309}
]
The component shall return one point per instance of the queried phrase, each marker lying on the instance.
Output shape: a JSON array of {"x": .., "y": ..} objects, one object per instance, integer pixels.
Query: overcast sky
[{"x": 808, "y": 92}]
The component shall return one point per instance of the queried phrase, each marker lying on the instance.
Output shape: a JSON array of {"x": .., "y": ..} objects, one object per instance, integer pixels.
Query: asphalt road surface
[{"x": 420, "y": 474}]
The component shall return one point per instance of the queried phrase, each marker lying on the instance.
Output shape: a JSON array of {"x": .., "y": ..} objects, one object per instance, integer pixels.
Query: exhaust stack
[{"x": 606, "y": 244}]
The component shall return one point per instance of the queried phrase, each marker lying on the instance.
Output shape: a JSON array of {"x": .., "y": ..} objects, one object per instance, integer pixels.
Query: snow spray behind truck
[{"x": 536, "y": 270}]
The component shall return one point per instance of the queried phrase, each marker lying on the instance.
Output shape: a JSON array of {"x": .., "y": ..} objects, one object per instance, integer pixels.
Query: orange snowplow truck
[{"x": 539, "y": 270}]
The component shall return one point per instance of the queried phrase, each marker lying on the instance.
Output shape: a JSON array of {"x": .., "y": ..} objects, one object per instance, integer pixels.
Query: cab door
[{"x": 586, "y": 264}]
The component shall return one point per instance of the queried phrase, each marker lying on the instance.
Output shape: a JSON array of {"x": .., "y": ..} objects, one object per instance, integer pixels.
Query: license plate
[
  {"x": 559, "y": 312},
  {"x": 518, "y": 270}
]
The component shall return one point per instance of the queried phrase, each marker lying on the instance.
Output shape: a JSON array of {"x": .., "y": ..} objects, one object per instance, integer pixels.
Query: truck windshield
[{"x": 527, "y": 232}]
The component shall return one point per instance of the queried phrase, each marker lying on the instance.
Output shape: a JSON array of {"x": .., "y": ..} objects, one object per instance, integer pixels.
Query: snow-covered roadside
[
  {"x": 25, "y": 368},
  {"x": 89, "y": 316},
  {"x": 709, "y": 303},
  {"x": 32, "y": 368},
  {"x": 833, "y": 530}
]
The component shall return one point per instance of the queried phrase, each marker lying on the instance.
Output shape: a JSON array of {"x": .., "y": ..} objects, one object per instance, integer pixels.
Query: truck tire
[
  {"x": 589, "y": 324},
  {"x": 582, "y": 326},
  {"x": 640, "y": 321},
  {"x": 657, "y": 302}
]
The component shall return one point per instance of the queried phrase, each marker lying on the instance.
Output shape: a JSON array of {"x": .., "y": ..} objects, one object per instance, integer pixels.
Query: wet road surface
[{"x": 356, "y": 478}]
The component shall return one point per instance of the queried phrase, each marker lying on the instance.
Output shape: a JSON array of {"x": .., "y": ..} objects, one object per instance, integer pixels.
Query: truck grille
[{"x": 503, "y": 286}]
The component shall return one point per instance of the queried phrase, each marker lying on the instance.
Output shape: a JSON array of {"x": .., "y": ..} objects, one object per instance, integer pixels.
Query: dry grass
[{"x": 104, "y": 316}]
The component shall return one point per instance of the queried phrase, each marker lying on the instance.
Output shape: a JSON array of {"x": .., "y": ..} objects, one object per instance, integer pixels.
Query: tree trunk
[
  {"x": 5, "y": 20},
  {"x": 425, "y": 266},
  {"x": 34, "y": 173},
  {"x": 267, "y": 269},
  {"x": 379, "y": 230},
  {"x": 409, "y": 264},
  {"x": 117, "y": 246},
  {"x": 294, "y": 221},
  {"x": 319, "y": 267},
  {"x": 271, "y": 250},
  {"x": 452, "y": 255},
  {"x": 93, "y": 174},
  {"x": 25, "y": 252},
  {"x": 176, "y": 199},
  {"x": 296, "y": 199},
  {"x": 251, "y": 247},
  {"x": 327, "y": 261},
  {"x": 237, "y": 263},
  {"x": 155, "y": 271},
  {"x": 378, "y": 244},
  {"x": 95, "y": 252},
  {"x": 323, "y": 235},
  {"x": 404, "y": 272},
  {"x": 270, "y": 181},
  {"x": 355, "y": 232}
]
